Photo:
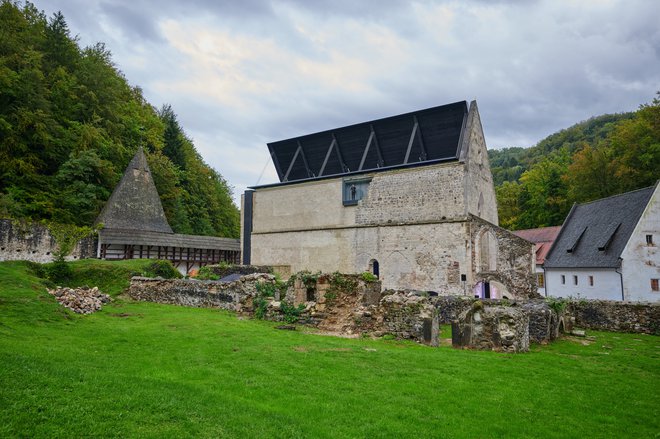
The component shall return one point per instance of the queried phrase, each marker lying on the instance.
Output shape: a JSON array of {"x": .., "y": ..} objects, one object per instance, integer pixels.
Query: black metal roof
[
  {"x": 595, "y": 234},
  {"x": 423, "y": 136}
]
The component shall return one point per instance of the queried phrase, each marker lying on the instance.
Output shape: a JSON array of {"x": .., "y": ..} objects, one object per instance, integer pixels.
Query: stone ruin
[
  {"x": 492, "y": 328},
  {"x": 82, "y": 300}
]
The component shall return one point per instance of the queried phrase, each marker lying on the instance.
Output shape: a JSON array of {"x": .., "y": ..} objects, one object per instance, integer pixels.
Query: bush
[
  {"x": 161, "y": 268},
  {"x": 368, "y": 277},
  {"x": 207, "y": 273},
  {"x": 59, "y": 272}
]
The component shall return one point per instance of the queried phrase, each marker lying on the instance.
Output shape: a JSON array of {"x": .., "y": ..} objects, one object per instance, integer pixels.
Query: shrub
[
  {"x": 291, "y": 313},
  {"x": 206, "y": 273},
  {"x": 368, "y": 277},
  {"x": 161, "y": 268},
  {"x": 59, "y": 271}
]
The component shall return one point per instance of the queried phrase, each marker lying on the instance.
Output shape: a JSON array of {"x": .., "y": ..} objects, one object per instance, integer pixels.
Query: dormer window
[{"x": 354, "y": 190}]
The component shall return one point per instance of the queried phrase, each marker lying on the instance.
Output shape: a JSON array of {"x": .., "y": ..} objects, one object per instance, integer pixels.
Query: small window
[
  {"x": 649, "y": 239},
  {"x": 654, "y": 285},
  {"x": 563, "y": 279},
  {"x": 575, "y": 280},
  {"x": 591, "y": 281},
  {"x": 354, "y": 190},
  {"x": 540, "y": 280}
]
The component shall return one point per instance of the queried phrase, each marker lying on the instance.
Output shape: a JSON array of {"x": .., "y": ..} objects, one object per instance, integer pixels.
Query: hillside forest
[
  {"x": 597, "y": 158},
  {"x": 70, "y": 123}
]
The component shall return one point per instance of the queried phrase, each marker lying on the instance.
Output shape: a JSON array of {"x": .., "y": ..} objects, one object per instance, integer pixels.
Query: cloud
[{"x": 241, "y": 74}]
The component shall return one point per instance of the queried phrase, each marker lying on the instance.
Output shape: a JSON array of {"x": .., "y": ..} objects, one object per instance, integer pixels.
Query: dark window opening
[
  {"x": 654, "y": 285},
  {"x": 591, "y": 281},
  {"x": 575, "y": 280},
  {"x": 563, "y": 279},
  {"x": 310, "y": 294},
  {"x": 374, "y": 268},
  {"x": 649, "y": 239},
  {"x": 486, "y": 290}
]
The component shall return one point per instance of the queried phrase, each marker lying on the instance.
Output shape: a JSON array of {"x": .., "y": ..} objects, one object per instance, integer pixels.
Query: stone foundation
[
  {"x": 492, "y": 328},
  {"x": 234, "y": 296},
  {"x": 606, "y": 315}
]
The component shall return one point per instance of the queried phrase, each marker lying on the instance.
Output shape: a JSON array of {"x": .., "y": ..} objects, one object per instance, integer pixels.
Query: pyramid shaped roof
[{"x": 135, "y": 204}]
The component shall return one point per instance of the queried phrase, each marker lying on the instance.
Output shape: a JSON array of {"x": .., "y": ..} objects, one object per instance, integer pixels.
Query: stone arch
[
  {"x": 487, "y": 249},
  {"x": 493, "y": 287}
]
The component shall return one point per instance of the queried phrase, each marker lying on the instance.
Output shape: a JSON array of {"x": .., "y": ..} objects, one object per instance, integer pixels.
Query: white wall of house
[
  {"x": 641, "y": 260},
  {"x": 606, "y": 283}
]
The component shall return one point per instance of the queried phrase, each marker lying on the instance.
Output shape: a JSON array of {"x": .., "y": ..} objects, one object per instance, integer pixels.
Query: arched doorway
[
  {"x": 490, "y": 289},
  {"x": 374, "y": 268}
]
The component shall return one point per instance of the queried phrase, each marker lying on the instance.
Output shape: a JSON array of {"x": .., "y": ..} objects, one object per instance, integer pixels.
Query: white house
[{"x": 608, "y": 249}]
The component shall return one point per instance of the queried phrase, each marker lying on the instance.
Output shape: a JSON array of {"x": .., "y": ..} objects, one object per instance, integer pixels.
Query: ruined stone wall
[
  {"x": 234, "y": 296},
  {"x": 513, "y": 264},
  {"x": 606, "y": 315},
  {"x": 412, "y": 196},
  {"x": 33, "y": 242},
  {"x": 488, "y": 327},
  {"x": 407, "y": 315}
]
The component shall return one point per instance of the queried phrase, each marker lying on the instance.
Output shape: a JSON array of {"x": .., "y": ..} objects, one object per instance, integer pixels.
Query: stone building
[
  {"x": 608, "y": 249},
  {"x": 409, "y": 198},
  {"x": 134, "y": 226}
]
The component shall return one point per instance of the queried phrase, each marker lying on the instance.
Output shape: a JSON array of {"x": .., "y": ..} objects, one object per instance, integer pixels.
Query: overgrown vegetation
[
  {"x": 557, "y": 304},
  {"x": 603, "y": 156},
  {"x": 161, "y": 268},
  {"x": 138, "y": 369},
  {"x": 70, "y": 123}
]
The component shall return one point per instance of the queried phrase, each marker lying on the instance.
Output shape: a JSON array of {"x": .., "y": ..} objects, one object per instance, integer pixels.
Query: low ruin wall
[
  {"x": 350, "y": 305},
  {"x": 607, "y": 315},
  {"x": 234, "y": 296},
  {"x": 34, "y": 242}
]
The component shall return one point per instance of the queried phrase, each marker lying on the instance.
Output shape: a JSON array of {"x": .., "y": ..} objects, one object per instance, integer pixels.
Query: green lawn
[{"x": 149, "y": 370}]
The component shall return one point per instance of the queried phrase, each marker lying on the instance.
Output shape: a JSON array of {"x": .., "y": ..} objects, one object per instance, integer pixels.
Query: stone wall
[
  {"x": 606, "y": 315},
  {"x": 412, "y": 196},
  {"x": 497, "y": 328},
  {"x": 512, "y": 264},
  {"x": 34, "y": 242},
  {"x": 234, "y": 296},
  {"x": 409, "y": 315},
  {"x": 479, "y": 189}
]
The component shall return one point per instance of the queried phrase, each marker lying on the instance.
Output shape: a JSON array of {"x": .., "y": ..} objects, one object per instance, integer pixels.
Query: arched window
[{"x": 487, "y": 251}]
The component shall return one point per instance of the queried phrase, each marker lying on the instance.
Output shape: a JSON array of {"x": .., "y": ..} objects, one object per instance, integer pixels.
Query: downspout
[
  {"x": 545, "y": 282},
  {"x": 620, "y": 277}
]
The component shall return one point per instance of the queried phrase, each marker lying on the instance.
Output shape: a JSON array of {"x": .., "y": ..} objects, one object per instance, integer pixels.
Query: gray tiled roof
[
  {"x": 595, "y": 234},
  {"x": 135, "y": 204},
  {"x": 141, "y": 237}
]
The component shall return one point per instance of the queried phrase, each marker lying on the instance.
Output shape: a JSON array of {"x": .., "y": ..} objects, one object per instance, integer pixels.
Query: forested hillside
[
  {"x": 70, "y": 123},
  {"x": 603, "y": 156}
]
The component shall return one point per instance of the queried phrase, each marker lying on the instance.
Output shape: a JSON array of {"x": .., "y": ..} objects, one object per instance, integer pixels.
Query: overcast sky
[{"x": 240, "y": 74}]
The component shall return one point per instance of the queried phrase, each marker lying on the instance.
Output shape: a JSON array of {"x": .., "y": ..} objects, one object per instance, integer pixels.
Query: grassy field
[{"x": 149, "y": 370}]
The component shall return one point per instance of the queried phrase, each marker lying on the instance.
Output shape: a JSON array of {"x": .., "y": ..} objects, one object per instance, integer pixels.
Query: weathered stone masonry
[{"x": 34, "y": 242}]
